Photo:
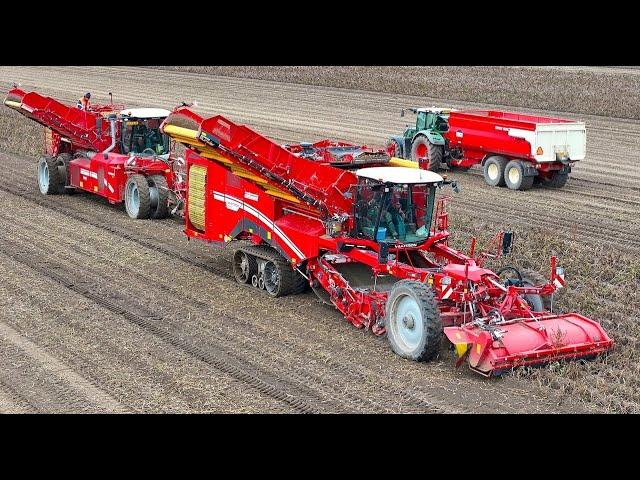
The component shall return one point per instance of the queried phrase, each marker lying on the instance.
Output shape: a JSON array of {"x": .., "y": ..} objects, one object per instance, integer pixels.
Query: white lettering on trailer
[
  {"x": 260, "y": 216},
  {"x": 251, "y": 196}
]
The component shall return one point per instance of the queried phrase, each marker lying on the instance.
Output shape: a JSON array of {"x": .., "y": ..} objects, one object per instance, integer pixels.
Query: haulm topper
[
  {"x": 373, "y": 242},
  {"x": 116, "y": 153},
  {"x": 514, "y": 150}
]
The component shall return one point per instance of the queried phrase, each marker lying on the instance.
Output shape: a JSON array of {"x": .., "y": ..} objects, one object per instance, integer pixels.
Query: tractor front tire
[
  {"x": 393, "y": 146},
  {"x": 159, "y": 193},
  {"x": 137, "y": 198},
  {"x": 412, "y": 321},
  {"x": 49, "y": 181},
  {"x": 493, "y": 170},
  {"x": 423, "y": 148},
  {"x": 514, "y": 176}
]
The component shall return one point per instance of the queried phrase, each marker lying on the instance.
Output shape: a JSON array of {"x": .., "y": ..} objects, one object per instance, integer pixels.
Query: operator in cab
[{"x": 84, "y": 103}]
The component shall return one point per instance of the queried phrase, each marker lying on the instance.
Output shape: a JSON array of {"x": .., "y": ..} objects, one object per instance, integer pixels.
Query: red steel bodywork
[
  {"x": 75, "y": 131},
  {"x": 243, "y": 170}
]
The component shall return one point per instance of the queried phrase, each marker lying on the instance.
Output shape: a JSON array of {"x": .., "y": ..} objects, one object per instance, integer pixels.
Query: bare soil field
[
  {"x": 608, "y": 91},
  {"x": 140, "y": 320}
]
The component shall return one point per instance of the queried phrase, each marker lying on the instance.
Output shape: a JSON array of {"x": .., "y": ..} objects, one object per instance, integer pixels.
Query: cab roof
[
  {"x": 145, "y": 112},
  {"x": 399, "y": 175},
  {"x": 436, "y": 109}
]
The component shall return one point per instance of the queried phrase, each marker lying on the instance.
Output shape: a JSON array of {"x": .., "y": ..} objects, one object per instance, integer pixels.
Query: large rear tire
[
  {"x": 159, "y": 195},
  {"x": 49, "y": 181},
  {"x": 493, "y": 170},
  {"x": 63, "y": 171},
  {"x": 423, "y": 148},
  {"x": 412, "y": 321},
  {"x": 514, "y": 176},
  {"x": 557, "y": 180},
  {"x": 137, "y": 198}
]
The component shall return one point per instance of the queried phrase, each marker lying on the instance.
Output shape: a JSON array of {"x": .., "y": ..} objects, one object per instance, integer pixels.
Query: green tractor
[{"x": 424, "y": 142}]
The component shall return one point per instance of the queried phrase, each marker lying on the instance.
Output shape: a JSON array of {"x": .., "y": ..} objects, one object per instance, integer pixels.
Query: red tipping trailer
[{"x": 514, "y": 149}]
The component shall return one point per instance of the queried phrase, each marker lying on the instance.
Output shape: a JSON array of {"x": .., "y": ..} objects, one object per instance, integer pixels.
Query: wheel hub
[
  {"x": 493, "y": 171},
  {"x": 409, "y": 322},
  {"x": 514, "y": 175}
]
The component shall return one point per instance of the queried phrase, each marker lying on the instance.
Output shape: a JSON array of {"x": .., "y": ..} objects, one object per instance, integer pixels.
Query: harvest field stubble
[{"x": 153, "y": 323}]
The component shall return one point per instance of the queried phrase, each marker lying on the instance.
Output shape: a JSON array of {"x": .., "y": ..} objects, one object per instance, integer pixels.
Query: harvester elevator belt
[{"x": 197, "y": 195}]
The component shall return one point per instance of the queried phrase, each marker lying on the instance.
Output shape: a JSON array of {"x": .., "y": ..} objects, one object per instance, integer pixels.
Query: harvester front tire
[
  {"x": 412, "y": 321},
  {"x": 557, "y": 180},
  {"x": 49, "y": 181},
  {"x": 514, "y": 176},
  {"x": 159, "y": 193},
  {"x": 493, "y": 170},
  {"x": 137, "y": 198}
]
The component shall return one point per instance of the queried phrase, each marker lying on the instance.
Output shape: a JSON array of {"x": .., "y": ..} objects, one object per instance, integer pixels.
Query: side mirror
[
  {"x": 507, "y": 242},
  {"x": 455, "y": 186}
]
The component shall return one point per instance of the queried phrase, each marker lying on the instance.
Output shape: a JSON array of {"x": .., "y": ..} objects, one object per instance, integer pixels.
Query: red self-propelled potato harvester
[
  {"x": 371, "y": 241},
  {"x": 116, "y": 153}
]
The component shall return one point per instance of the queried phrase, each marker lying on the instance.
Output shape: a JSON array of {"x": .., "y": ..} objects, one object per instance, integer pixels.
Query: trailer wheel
[
  {"x": 137, "y": 199},
  {"x": 245, "y": 266},
  {"x": 49, "y": 181},
  {"x": 412, "y": 321},
  {"x": 514, "y": 176},
  {"x": 493, "y": 170},
  {"x": 557, "y": 180},
  {"x": 159, "y": 196}
]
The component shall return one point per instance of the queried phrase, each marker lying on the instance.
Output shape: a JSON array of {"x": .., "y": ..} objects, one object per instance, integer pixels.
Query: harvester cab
[
  {"x": 141, "y": 133},
  {"x": 395, "y": 204}
]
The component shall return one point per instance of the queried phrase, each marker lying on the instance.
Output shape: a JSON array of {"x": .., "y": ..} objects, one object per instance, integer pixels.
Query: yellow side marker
[{"x": 478, "y": 348}]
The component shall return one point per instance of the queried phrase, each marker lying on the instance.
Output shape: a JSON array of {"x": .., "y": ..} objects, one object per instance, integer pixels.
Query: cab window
[{"x": 143, "y": 137}]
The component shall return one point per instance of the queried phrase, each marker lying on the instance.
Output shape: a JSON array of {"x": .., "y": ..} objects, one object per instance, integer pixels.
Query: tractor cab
[
  {"x": 395, "y": 204},
  {"x": 141, "y": 133},
  {"x": 432, "y": 119}
]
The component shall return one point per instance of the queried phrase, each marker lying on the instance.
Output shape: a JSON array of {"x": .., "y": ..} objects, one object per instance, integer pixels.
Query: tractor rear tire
[
  {"x": 557, "y": 180},
  {"x": 514, "y": 176},
  {"x": 493, "y": 170},
  {"x": 49, "y": 181},
  {"x": 412, "y": 321},
  {"x": 423, "y": 148},
  {"x": 137, "y": 198},
  {"x": 159, "y": 193}
]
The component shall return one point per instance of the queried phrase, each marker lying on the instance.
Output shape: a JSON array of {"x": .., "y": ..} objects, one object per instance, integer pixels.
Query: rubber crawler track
[{"x": 209, "y": 358}]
